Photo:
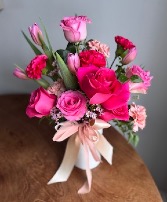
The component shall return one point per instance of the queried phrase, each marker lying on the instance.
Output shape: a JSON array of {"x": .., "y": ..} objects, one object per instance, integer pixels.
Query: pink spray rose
[
  {"x": 72, "y": 104},
  {"x": 130, "y": 56},
  {"x": 141, "y": 87},
  {"x": 20, "y": 73},
  {"x": 34, "y": 69},
  {"x": 100, "y": 47},
  {"x": 73, "y": 62},
  {"x": 75, "y": 28},
  {"x": 138, "y": 113},
  {"x": 41, "y": 102},
  {"x": 36, "y": 33},
  {"x": 102, "y": 87}
]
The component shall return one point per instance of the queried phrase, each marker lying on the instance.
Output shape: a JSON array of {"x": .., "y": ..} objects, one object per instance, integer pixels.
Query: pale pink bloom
[
  {"x": 20, "y": 73},
  {"x": 36, "y": 34},
  {"x": 37, "y": 64},
  {"x": 130, "y": 56},
  {"x": 143, "y": 86},
  {"x": 138, "y": 113},
  {"x": 72, "y": 104},
  {"x": 75, "y": 28},
  {"x": 57, "y": 88},
  {"x": 41, "y": 102},
  {"x": 100, "y": 47},
  {"x": 73, "y": 62}
]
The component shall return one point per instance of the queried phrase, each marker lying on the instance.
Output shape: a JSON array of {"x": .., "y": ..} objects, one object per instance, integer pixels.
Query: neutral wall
[{"x": 144, "y": 22}]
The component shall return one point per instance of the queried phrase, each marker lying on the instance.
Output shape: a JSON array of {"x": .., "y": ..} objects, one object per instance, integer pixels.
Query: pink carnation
[
  {"x": 143, "y": 86},
  {"x": 72, "y": 105},
  {"x": 34, "y": 69},
  {"x": 100, "y": 47},
  {"x": 138, "y": 113}
]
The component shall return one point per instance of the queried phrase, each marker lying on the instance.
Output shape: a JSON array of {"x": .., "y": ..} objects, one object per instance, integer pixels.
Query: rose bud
[
  {"x": 130, "y": 56},
  {"x": 20, "y": 73},
  {"x": 75, "y": 28},
  {"x": 73, "y": 62},
  {"x": 36, "y": 34}
]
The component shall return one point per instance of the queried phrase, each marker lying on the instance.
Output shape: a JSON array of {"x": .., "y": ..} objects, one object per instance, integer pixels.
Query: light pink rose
[
  {"x": 41, "y": 102},
  {"x": 141, "y": 87},
  {"x": 37, "y": 64},
  {"x": 100, "y": 47},
  {"x": 138, "y": 113},
  {"x": 57, "y": 88},
  {"x": 72, "y": 104},
  {"x": 130, "y": 56},
  {"x": 75, "y": 28},
  {"x": 102, "y": 87},
  {"x": 36, "y": 34},
  {"x": 20, "y": 73},
  {"x": 73, "y": 62}
]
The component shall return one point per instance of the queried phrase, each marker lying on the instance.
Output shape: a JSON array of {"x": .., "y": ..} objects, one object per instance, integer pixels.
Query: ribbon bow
[{"x": 88, "y": 135}]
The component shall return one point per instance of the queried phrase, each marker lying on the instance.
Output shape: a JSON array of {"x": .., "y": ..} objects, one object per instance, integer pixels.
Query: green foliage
[{"x": 136, "y": 79}]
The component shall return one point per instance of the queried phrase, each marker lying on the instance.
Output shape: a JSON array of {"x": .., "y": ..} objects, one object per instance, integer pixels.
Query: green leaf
[
  {"x": 63, "y": 54},
  {"x": 34, "y": 48},
  {"x": 71, "y": 48},
  {"x": 70, "y": 80},
  {"x": 46, "y": 34},
  {"x": 122, "y": 78},
  {"x": 136, "y": 79},
  {"x": 136, "y": 140}
]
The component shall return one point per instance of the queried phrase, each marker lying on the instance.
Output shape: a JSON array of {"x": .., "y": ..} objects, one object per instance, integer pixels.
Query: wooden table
[{"x": 29, "y": 158}]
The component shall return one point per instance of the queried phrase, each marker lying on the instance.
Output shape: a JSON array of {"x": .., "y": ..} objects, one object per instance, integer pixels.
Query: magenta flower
[
  {"x": 102, "y": 87},
  {"x": 72, "y": 105},
  {"x": 36, "y": 34},
  {"x": 143, "y": 86},
  {"x": 20, "y": 73},
  {"x": 75, "y": 28},
  {"x": 41, "y": 102},
  {"x": 124, "y": 43},
  {"x": 138, "y": 113},
  {"x": 73, "y": 62},
  {"x": 37, "y": 64}
]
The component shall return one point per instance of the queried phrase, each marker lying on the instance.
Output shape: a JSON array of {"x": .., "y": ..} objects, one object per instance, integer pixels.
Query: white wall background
[{"x": 144, "y": 22}]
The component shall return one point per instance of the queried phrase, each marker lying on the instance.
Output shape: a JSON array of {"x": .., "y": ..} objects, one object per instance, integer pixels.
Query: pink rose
[
  {"x": 130, "y": 56},
  {"x": 36, "y": 34},
  {"x": 73, "y": 62},
  {"x": 41, "y": 102},
  {"x": 34, "y": 69},
  {"x": 100, "y": 47},
  {"x": 102, "y": 87},
  {"x": 72, "y": 104},
  {"x": 75, "y": 28},
  {"x": 20, "y": 73},
  {"x": 141, "y": 87},
  {"x": 138, "y": 113}
]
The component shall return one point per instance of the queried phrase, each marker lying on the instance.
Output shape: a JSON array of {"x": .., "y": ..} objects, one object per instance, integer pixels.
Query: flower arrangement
[{"x": 83, "y": 93}]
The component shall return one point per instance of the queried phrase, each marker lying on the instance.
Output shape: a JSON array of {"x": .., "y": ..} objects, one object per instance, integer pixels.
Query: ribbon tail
[
  {"x": 105, "y": 148},
  {"x": 87, "y": 185},
  {"x": 68, "y": 162}
]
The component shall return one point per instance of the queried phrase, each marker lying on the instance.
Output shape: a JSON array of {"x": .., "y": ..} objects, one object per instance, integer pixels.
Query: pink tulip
[
  {"x": 19, "y": 73},
  {"x": 36, "y": 34},
  {"x": 130, "y": 56},
  {"x": 73, "y": 62}
]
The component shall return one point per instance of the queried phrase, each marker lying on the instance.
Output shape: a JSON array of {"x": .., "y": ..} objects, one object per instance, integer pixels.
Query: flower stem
[
  {"x": 42, "y": 82},
  {"x": 113, "y": 62}
]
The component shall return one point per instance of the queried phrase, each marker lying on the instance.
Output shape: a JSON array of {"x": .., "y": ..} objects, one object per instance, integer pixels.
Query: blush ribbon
[{"x": 88, "y": 135}]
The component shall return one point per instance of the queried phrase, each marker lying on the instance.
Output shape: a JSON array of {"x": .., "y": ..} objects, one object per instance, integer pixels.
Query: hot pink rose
[
  {"x": 75, "y": 28},
  {"x": 102, "y": 87},
  {"x": 41, "y": 102},
  {"x": 34, "y": 69},
  {"x": 138, "y": 113},
  {"x": 141, "y": 87},
  {"x": 72, "y": 104}
]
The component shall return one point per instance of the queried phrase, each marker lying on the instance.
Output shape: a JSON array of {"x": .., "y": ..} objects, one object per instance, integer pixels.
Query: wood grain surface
[{"x": 29, "y": 158}]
